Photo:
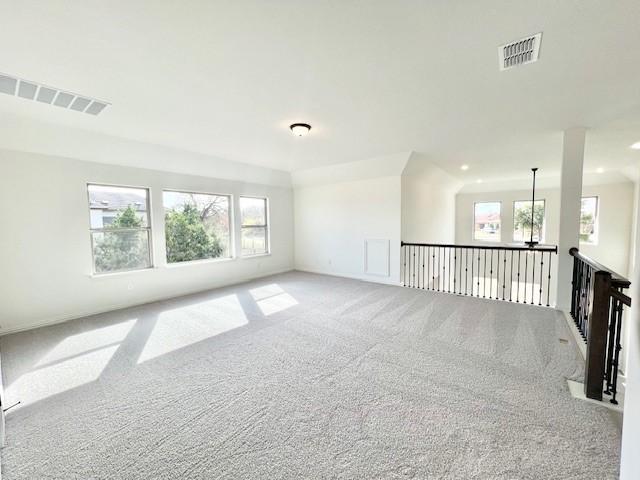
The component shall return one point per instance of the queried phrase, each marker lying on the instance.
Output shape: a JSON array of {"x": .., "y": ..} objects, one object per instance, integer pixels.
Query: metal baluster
[
  {"x": 444, "y": 267},
  {"x": 611, "y": 343},
  {"x": 438, "y": 271},
  {"x": 579, "y": 294},
  {"x": 478, "y": 273},
  {"x": 533, "y": 274},
  {"x": 549, "y": 280},
  {"x": 429, "y": 282},
  {"x": 616, "y": 358},
  {"x": 472, "y": 262},
  {"x": 404, "y": 273},
  {"x": 491, "y": 275},
  {"x": 511, "y": 277},
  {"x": 526, "y": 265},
  {"x": 518, "y": 287},
  {"x": 466, "y": 271},
  {"x": 484, "y": 275},
  {"x": 413, "y": 264},
  {"x": 504, "y": 274},
  {"x": 423, "y": 253},
  {"x": 455, "y": 267},
  {"x": 541, "y": 270},
  {"x": 433, "y": 268},
  {"x": 587, "y": 302}
]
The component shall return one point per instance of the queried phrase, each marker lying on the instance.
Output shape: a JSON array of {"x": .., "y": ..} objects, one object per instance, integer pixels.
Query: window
[
  {"x": 486, "y": 221},
  {"x": 120, "y": 228},
  {"x": 589, "y": 220},
  {"x": 522, "y": 221},
  {"x": 196, "y": 226},
  {"x": 254, "y": 233}
]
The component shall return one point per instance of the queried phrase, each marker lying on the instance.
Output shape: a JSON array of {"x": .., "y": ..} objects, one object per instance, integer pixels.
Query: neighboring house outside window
[
  {"x": 486, "y": 221},
  {"x": 120, "y": 228},
  {"x": 589, "y": 220},
  {"x": 522, "y": 221},
  {"x": 254, "y": 218}
]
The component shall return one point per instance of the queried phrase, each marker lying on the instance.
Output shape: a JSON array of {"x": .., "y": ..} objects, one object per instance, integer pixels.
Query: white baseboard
[
  {"x": 364, "y": 278},
  {"x": 120, "y": 306},
  {"x": 577, "y": 391},
  {"x": 582, "y": 346}
]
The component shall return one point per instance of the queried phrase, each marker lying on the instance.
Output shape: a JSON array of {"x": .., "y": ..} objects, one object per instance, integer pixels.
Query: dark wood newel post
[{"x": 597, "y": 337}]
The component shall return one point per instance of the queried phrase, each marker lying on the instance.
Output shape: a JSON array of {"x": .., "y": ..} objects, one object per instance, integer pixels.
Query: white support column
[
  {"x": 630, "y": 461},
  {"x": 570, "y": 199}
]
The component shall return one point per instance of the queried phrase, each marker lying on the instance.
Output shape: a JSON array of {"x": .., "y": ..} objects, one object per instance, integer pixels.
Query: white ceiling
[{"x": 372, "y": 77}]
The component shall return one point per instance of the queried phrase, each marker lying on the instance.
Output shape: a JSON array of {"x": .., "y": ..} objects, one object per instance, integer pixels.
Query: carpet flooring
[{"x": 302, "y": 376}]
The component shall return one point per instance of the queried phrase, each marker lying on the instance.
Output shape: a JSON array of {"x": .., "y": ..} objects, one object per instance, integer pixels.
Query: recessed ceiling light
[
  {"x": 300, "y": 129},
  {"x": 636, "y": 146},
  {"x": 464, "y": 167},
  {"x": 479, "y": 180},
  {"x": 599, "y": 170}
]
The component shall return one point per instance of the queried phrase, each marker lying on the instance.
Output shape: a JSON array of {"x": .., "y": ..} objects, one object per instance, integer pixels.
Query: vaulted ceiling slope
[{"x": 372, "y": 77}]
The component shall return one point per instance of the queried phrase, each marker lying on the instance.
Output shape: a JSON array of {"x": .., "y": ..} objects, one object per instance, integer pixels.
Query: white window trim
[
  {"x": 148, "y": 228},
  {"x": 202, "y": 260},
  {"x": 473, "y": 223},
  {"x": 266, "y": 226},
  {"x": 596, "y": 222},
  {"x": 544, "y": 220}
]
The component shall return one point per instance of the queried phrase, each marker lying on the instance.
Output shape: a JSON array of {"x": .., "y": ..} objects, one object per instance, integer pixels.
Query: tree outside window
[
  {"x": 522, "y": 221},
  {"x": 589, "y": 220},
  {"x": 196, "y": 226},
  {"x": 120, "y": 231}
]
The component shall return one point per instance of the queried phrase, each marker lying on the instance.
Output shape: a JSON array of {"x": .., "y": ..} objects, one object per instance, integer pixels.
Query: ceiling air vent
[
  {"x": 50, "y": 95},
  {"x": 520, "y": 52}
]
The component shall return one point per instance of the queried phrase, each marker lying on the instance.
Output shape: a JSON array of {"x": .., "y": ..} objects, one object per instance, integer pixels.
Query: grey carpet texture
[{"x": 303, "y": 376}]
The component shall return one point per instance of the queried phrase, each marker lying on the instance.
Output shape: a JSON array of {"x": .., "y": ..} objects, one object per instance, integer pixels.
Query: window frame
[
  {"x": 541, "y": 238},
  {"x": 148, "y": 228},
  {"x": 596, "y": 221},
  {"x": 473, "y": 222},
  {"x": 231, "y": 228},
  {"x": 266, "y": 226}
]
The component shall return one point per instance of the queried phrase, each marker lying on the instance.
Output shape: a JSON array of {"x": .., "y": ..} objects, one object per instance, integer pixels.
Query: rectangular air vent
[
  {"x": 29, "y": 90},
  {"x": 523, "y": 51}
]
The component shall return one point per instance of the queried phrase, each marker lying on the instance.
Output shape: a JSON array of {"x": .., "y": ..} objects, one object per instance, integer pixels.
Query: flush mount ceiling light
[
  {"x": 464, "y": 167},
  {"x": 300, "y": 129},
  {"x": 29, "y": 90},
  {"x": 599, "y": 170},
  {"x": 636, "y": 146}
]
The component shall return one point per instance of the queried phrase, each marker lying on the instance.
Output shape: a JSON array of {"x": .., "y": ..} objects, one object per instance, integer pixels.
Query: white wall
[
  {"x": 428, "y": 202},
  {"x": 333, "y": 221},
  {"x": 45, "y": 248},
  {"x": 630, "y": 460}
]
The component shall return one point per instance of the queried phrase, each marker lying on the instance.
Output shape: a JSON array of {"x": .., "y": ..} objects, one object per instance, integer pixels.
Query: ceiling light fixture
[
  {"x": 464, "y": 167},
  {"x": 479, "y": 180},
  {"x": 300, "y": 129},
  {"x": 636, "y": 146},
  {"x": 599, "y": 170}
]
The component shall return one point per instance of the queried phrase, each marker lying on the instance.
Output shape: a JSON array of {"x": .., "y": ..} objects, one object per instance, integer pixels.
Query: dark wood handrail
[
  {"x": 618, "y": 295},
  {"x": 524, "y": 248},
  {"x": 597, "y": 303},
  {"x": 617, "y": 280}
]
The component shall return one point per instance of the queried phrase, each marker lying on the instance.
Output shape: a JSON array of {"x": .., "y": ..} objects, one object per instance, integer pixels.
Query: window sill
[
  {"x": 205, "y": 261},
  {"x": 268, "y": 254},
  {"x": 124, "y": 272}
]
